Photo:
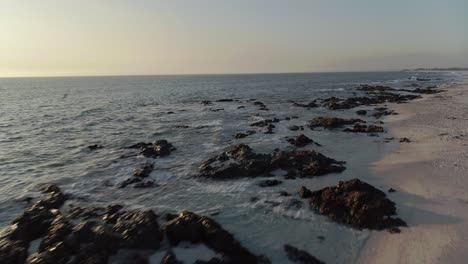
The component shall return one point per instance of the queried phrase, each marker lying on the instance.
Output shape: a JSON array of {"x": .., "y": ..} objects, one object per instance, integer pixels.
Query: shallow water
[{"x": 46, "y": 125}]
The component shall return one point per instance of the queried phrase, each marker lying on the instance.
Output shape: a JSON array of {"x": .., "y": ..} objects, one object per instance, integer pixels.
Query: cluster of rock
[
  {"x": 102, "y": 231},
  {"x": 332, "y": 122},
  {"x": 241, "y": 161},
  {"x": 355, "y": 203},
  {"x": 156, "y": 149}
]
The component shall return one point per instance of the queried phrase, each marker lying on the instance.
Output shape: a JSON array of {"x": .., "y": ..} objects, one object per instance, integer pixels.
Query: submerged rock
[
  {"x": 358, "y": 204},
  {"x": 405, "y": 139},
  {"x": 241, "y": 161},
  {"x": 95, "y": 147},
  {"x": 143, "y": 172},
  {"x": 269, "y": 183},
  {"x": 300, "y": 256},
  {"x": 361, "y": 112}
]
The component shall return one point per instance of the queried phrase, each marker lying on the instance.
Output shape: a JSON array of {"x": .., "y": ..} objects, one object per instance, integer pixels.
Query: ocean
[{"x": 47, "y": 124}]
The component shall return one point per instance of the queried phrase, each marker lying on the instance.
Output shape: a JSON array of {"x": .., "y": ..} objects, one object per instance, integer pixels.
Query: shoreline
[{"x": 429, "y": 175}]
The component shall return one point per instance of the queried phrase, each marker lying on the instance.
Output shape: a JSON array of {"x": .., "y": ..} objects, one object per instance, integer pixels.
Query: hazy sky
[{"x": 102, "y": 37}]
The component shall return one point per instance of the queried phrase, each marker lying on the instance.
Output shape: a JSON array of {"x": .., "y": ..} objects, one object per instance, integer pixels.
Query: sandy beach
[{"x": 430, "y": 177}]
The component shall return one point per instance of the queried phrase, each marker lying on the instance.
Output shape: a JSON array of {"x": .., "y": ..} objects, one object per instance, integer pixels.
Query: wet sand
[{"x": 430, "y": 176}]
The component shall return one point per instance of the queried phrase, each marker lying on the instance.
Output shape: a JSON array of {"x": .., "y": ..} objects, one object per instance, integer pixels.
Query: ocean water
[{"x": 46, "y": 125}]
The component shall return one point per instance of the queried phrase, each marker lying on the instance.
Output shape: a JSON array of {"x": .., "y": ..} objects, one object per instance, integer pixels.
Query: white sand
[{"x": 430, "y": 175}]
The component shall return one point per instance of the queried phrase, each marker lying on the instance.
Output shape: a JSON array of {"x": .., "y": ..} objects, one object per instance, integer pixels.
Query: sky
[{"x": 133, "y": 37}]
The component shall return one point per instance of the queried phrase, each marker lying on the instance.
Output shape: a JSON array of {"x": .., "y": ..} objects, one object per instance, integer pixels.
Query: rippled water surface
[{"x": 46, "y": 125}]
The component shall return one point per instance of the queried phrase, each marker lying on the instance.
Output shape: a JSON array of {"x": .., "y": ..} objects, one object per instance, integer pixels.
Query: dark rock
[
  {"x": 269, "y": 183},
  {"x": 143, "y": 172},
  {"x": 405, "y": 139},
  {"x": 145, "y": 184},
  {"x": 294, "y": 128},
  {"x": 139, "y": 229},
  {"x": 95, "y": 147},
  {"x": 356, "y": 203},
  {"x": 241, "y": 161},
  {"x": 304, "y": 192},
  {"x": 359, "y": 128},
  {"x": 170, "y": 258},
  {"x": 129, "y": 181},
  {"x": 332, "y": 122},
  {"x": 361, "y": 112},
  {"x": 243, "y": 135},
  {"x": 240, "y": 107},
  {"x": 265, "y": 122},
  {"x": 312, "y": 104},
  {"x": 284, "y": 193},
  {"x": 200, "y": 229},
  {"x": 225, "y": 100},
  {"x": 391, "y": 190},
  {"x": 301, "y": 141},
  {"x": 217, "y": 109},
  {"x": 206, "y": 102},
  {"x": 159, "y": 148},
  {"x": 300, "y": 256},
  {"x": 13, "y": 251}
]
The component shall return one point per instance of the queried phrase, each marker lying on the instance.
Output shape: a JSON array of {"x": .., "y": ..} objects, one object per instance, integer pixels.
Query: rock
[
  {"x": 95, "y": 147},
  {"x": 361, "y": 112},
  {"x": 306, "y": 163},
  {"x": 200, "y": 229},
  {"x": 225, "y": 100},
  {"x": 312, "y": 104},
  {"x": 13, "y": 251},
  {"x": 304, "y": 192},
  {"x": 170, "y": 258},
  {"x": 241, "y": 107},
  {"x": 405, "y": 139},
  {"x": 206, "y": 102},
  {"x": 243, "y": 135},
  {"x": 265, "y": 122},
  {"x": 301, "y": 141},
  {"x": 159, "y": 148},
  {"x": 241, "y": 161},
  {"x": 145, "y": 184},
  {"x": 374, "y": 88},
  {"x": 358, "y": 128},
  {"x": 269, "y": 183},
  {"x": 332, "y": 122},
  {"x": 129, "y": 181},
  {"x": 294, "y": 128},
  {"x": 300, "y": 256},
  {"x": 143, "y": 172},
  {"x": 356, "y": 203},
  {"x": 216, "y": 110},
  {"x": 284, "y": 193},
  {"x": 377, "y": 97},
  {"x": 139, "y": 229},
  {"x": 391, "y": 190}
]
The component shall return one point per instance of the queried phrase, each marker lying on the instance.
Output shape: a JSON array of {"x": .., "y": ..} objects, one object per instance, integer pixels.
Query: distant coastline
[{"x": 437, "y": 69}]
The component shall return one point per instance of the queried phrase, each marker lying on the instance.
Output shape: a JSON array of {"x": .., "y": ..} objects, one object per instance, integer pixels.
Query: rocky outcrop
[
  {"x": 332, "y": 122},
  {"x": 300, "y": 256},
  {"x": 241, "y": 161},
  {"x": 269, "y": 183},
  {"x": 358, "y": 204},
  {"x": 193, "y": 228}
]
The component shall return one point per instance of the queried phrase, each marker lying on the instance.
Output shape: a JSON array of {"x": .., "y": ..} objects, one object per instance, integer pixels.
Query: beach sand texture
[{"x": 430, "y": 175}]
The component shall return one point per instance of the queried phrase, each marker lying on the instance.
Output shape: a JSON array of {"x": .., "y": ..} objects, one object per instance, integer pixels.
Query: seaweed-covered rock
[
  {"x": 300, "y": 256},
  {"x": 332, "y": 122},
  {"x": 200, "y": 229},
  {"x": 356, "y": 203}
]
